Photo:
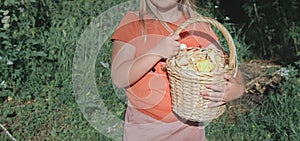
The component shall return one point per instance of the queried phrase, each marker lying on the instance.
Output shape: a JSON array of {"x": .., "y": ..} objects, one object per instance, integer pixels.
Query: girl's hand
[
  {"x": 232, "y": 90},
  {"x": 167, "y": 47}
]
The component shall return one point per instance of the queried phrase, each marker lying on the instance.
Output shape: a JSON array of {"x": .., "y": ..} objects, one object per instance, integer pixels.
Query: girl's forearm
[{"x": 128, "y": 72}]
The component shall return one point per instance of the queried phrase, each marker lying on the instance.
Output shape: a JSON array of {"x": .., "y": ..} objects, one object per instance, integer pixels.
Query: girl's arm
[{"x": 127, "y": 69}]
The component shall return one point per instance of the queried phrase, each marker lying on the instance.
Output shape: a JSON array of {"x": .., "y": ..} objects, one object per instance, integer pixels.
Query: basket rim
[{"x": 232, "y": 65}]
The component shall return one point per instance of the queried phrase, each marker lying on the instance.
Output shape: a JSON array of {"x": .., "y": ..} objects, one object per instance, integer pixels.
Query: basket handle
[{"x": 232, "y": 56}]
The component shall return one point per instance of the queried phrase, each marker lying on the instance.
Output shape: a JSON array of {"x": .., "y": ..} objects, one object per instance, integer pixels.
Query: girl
[{"x": 141, "y": 43}]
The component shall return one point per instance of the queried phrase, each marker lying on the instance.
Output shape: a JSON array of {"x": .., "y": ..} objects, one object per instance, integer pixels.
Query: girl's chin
[{"x": 164, "y": 4}]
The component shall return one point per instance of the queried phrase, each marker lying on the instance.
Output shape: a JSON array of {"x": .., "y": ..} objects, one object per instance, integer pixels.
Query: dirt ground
[{"x": 261, "y": 79}]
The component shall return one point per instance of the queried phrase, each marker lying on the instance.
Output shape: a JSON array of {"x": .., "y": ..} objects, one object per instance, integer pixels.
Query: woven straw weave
[{"x": 186, "y": 83}]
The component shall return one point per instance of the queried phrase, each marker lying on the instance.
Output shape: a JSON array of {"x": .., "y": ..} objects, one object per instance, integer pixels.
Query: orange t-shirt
[{"x": 151, "y": 94}]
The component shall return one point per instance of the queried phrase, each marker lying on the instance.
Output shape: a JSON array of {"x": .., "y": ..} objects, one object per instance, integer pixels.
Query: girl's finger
[
  {"x": 215, "y": 88},
  {"x": 215, "y": 104},
  {"x": 216, "y": 99},
  {"x": 177, "y": 44},
  {"x": 175, "y": 37},
  {"x": 216, "y": 94},
  {"x": 176, "y": 52}
]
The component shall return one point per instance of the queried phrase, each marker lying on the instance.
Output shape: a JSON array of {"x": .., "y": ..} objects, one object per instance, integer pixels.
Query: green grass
[{"x": 277, "y": 118}]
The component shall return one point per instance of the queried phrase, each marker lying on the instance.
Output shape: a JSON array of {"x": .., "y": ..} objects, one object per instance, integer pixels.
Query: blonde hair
[{"x": 186, "y": 6}]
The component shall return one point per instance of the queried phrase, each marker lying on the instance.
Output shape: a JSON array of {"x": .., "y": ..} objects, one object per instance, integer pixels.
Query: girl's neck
[{"x": 170, "y": 15}]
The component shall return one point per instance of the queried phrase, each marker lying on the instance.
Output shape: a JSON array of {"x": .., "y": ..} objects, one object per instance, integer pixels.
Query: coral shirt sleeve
[{"x": 128, "y": 29}]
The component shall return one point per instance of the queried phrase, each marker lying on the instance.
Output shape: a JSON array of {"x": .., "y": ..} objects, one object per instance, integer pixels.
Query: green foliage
[
  {"x": 20, "y": 39},
  {"x": 291, "y": 81},
  {"x": 239, "y": 38},
  {"x": 278, "y": 118},
  {"x": 211, "y": 8},
  {"x": 35, "y": 62},
  {"x": 275, "y": 29}
]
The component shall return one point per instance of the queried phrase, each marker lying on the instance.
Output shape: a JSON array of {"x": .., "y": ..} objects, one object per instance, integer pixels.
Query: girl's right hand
[{"x": 168, "y": 46}]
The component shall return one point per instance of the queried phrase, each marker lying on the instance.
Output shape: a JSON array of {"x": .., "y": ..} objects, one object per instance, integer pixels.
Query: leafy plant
[{"x": 274, "y": 29}]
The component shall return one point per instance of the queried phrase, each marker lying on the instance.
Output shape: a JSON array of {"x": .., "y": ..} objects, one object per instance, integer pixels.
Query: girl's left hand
[{"x": 232, "y": 90}]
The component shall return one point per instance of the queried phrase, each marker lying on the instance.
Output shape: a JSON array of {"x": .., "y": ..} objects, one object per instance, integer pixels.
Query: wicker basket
[{"x": 186, "y": 85}]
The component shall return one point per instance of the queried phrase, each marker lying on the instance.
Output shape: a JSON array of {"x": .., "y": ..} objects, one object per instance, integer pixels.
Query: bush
[
  {"x": 23, "y": 53},
  {"x": 275, "y": 29},
  {"x": 36, "y": 59}
]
